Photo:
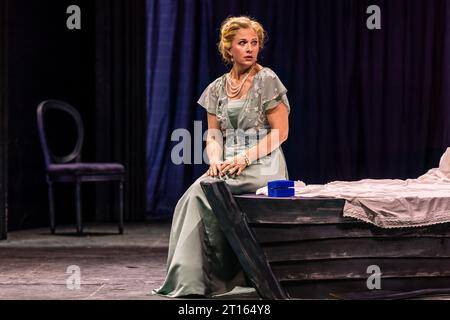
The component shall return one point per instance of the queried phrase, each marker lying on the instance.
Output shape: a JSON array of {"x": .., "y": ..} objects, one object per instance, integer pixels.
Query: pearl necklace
[{"x": 233, "y": 91}]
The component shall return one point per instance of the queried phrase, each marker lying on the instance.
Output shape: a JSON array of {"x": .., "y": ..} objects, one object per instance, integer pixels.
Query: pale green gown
[{"x": 200, "y": 260}]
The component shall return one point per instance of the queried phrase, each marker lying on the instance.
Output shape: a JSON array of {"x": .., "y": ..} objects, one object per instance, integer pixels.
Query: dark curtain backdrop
[
  {"x": 120, "y": 100},
  {"x": 179, "y": 62},
  {"x": 46, "y": 61},
  {"x": 365, "y": 103},
  {"x": 3, "y": 117},
  {"x": 100, "y": 70}
]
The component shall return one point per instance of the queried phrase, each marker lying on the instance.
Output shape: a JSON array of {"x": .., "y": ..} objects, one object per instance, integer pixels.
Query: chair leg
[
  {"x": 121, "y": 207},
  {"x": 78, "y": 207},
  {"x": 51, "y": 207}
]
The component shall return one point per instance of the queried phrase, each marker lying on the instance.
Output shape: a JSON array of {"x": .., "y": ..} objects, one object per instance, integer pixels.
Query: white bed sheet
[{"x": 390, "y": 203}]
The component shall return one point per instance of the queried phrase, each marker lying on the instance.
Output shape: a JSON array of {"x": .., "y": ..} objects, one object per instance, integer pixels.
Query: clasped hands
[{"x": 231, "y": 166}]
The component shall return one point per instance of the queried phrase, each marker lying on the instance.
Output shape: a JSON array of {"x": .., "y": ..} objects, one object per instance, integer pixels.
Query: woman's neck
[{"x": 239, "y": 71}]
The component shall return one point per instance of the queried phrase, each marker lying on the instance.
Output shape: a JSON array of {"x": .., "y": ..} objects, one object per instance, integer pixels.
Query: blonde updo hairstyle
[{"x": 230, "y": 28}]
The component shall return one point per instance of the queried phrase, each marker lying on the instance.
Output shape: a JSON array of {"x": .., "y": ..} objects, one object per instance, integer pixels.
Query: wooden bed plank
[
  {"x": 293, "y": 210},
  {"x": 309, "y": 250},
  {"x": 357, "y": 268},
  {"x": 358, "y": 248},
  {"x": 274, "y": 233},
  {"x": 357, "y": 288}
]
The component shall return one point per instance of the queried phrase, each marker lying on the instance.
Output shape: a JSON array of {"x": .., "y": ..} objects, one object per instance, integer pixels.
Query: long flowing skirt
[{"x": 200, "y": 260}]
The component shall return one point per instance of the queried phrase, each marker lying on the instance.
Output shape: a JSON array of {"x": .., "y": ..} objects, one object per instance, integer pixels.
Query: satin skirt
[{"x": 200, "y": 261}]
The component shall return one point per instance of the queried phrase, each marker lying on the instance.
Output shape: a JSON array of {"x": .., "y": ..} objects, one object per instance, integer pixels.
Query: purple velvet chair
[{"x": 70, "y": 169}]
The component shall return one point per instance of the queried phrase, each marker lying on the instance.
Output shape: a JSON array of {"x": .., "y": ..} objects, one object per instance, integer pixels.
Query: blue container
[
  {"x": 278, "y": 193},
  {"x": 281, "y": 188},
  {"x": 280, "y": 184}
]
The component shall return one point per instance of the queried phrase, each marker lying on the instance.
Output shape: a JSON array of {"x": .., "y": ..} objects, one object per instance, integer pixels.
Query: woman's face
[{"x": 245, "y": 47}]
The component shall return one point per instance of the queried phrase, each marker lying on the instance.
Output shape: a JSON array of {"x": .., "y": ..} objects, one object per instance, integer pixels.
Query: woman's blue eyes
[{"x": 253, "y": 43}]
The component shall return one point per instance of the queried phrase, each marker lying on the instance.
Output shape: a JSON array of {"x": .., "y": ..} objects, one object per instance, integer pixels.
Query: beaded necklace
[{"x": 233, "y": 91}]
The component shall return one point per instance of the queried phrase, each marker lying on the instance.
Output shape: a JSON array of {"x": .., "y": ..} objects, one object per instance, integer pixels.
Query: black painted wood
[
  {"x": 357, "y": 288},
  {"x": 241, "y": 239},
  {"x": 3, "y": 120},
  {"x": 267, "y": 233},
  {"x": 358, "y": 248},
  {"x": 341, "y": 269},
  {"x": 385, "y": 294},
  {"x": 292, "y": 211},
  {"x": 315, "y": 253}
]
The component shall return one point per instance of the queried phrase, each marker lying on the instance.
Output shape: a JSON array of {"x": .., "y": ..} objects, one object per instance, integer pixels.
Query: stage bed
[{"x": 305, "y": 248}]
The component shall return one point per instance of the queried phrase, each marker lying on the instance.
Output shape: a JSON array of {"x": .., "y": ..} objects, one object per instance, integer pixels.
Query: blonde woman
[{"x": 247, "y": 123}]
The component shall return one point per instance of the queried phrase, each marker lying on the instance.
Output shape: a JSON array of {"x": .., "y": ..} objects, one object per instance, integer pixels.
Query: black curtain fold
[
  {"x": 46, "y": 60},
  {"x": 3, "y": 119},
  {"x": 120, "y": 101}
]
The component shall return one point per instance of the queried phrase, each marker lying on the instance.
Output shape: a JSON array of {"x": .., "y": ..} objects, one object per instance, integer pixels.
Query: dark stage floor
[{"x": 34, "y": 264}]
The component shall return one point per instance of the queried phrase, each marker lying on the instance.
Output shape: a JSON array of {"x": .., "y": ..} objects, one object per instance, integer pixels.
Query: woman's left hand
[{"x": 236, "y": 165}]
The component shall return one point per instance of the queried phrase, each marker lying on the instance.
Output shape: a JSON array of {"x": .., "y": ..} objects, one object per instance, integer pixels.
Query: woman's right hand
[{"x": 214, "y": 169}]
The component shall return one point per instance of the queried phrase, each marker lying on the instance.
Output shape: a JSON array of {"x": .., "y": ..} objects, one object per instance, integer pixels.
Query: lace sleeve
[
  {"x": 273, "y": 92},
  {"x": 209, "y": 98}
]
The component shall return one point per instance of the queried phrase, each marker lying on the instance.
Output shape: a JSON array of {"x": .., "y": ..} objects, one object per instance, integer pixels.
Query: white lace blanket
[{"x": 391, "y": 203}]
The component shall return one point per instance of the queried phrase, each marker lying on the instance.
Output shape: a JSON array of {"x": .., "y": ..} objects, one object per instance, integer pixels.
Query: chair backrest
[{"x": 49, "y": 157}]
